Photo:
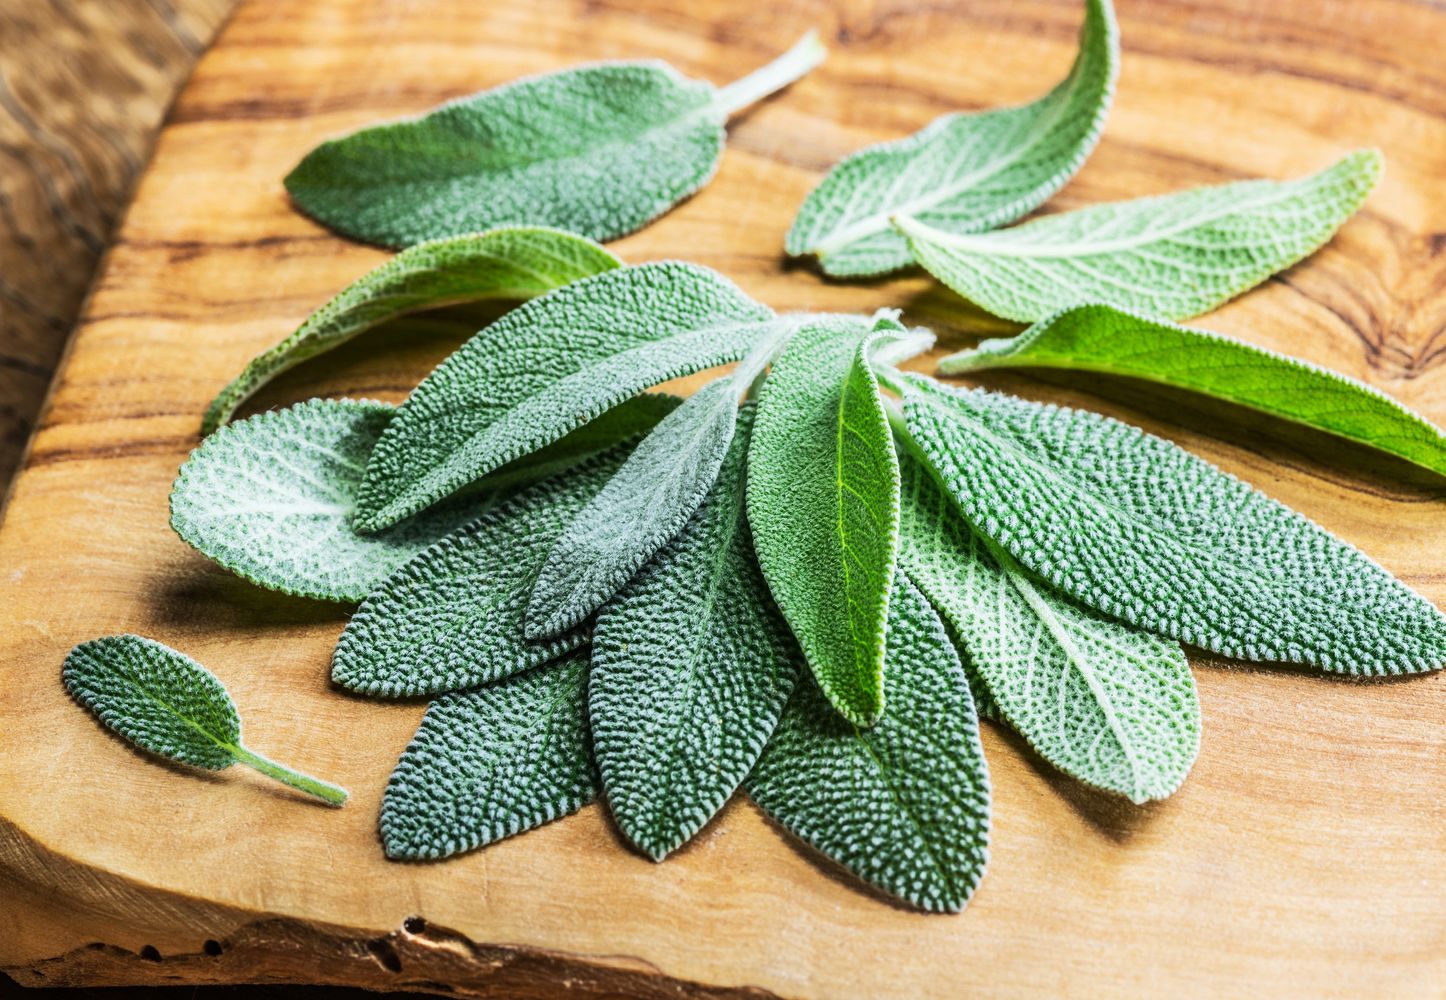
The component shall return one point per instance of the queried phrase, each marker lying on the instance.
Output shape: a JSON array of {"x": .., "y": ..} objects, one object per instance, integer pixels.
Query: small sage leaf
[
  {"x": 167, "y": 703},
  {"x": 965, "y": 173},
  {"x": 823, "y": 502},
  {"x": 271, "y": 498},
  {"x": 1101, "y": 701},
  {"x": 548, "y": 367},
  {"x": 491, "y": 763},
  {"x": 1136, "y": 527},
  {"x": 599, "y": 150},
  {"x": 691, "y": 666},
  {"x": 1172, "y": 256},
  {"x": 517, "y": 262},
  {"x": 903, "y": 805},
  {"x": 452, "y": 618},
  {"x": 1102, "y": 338}
]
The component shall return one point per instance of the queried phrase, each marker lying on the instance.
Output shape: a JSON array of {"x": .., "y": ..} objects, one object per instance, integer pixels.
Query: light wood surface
[{"x": 1302, "y": 857}]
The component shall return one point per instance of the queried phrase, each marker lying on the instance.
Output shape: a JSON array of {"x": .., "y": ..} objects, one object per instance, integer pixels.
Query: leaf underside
[
  {"x": 1171, "y": 256},
  {"x": 1138, "y": 528},
  {"x": 903, "y": 805}
]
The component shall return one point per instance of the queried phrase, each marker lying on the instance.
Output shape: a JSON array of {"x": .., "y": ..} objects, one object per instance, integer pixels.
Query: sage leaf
[
  {"x": 490, "y": 763},
  {"x": 1102, "y": 338},
  {"x": 548, "y": 367},
  {"x": 1136, "y": 527},
  {"x": 599, "y": 150},
  {"x": 1112, "y": 706},
  {"x": 823, "y": 502},
  {"x": 964, "y": 173},
  {"x": 165, "y": 702},
  {"x": 1172, "y": 256},
  {"x": 452, "y": 617},
  {"x": 271, "y": 498},
  {"x": 517, "y": 262},
  {"x": 904, "y": 805},
  {"x": 691, "y": 666}
]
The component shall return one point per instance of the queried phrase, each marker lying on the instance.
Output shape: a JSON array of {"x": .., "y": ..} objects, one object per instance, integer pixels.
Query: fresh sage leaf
[
  {"x": 823, "y": 502},
  {"x": 904, "y": 805},
  {"x": 1172, "y": 256},
  {"x": 964, "y": 173},
  {"x": 517, "y": 262},
  {"x": 271, "y": 497},
  {"x": 452, "y": 617},
  {"x": 1103, "y": 702},
  {"x": 1136, "y": 527},
  {"x": 1102, "y": 338},
  {"x": 165, "y": 702},
  {"x": 548, "y": 367},
  {"x": 691, "y": 666},
  {"x": 491, "y": 763},
  {"x": 599, "y": 150}
]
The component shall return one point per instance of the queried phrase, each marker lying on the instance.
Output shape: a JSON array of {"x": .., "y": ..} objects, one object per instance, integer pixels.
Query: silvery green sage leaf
[
  {"x": 599, "y": 150},
  {"x": 965, "y": 173},
  {"x": 904, "y": 805},
  {"x": 1172, "y": 256},
  {"x": 1136, "y": 527},
  {"x": 823, "y": 502},
  {"x": 271, "y": 497},
  {"x": 517, "y": 262},
  {"x": 1101, "y": 701},
  {"x": 691, "y": 666},
  {"x": 548, "y": 367},
  {"x": 167, "y": 703},
  {"x": 1102, "y": 338},
  {"x": 452, "y": 617},
  {"x": 491, "y": 763}
]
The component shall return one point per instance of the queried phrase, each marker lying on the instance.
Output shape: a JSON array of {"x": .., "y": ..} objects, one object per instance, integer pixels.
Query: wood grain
[
  {"x": 1302, "y": 857},
  {"x": 83, "y": 87}
]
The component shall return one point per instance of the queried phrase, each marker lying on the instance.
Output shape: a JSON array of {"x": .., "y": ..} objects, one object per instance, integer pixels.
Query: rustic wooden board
[{"x": 1302, "y": 856}]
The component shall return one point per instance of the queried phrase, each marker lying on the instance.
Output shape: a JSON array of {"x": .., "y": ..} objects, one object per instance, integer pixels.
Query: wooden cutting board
[{"x": 1303, "y": 856}]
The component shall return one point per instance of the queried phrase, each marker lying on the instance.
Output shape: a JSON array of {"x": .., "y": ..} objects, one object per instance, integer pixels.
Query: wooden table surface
[{"x": 1302, "y": 857}]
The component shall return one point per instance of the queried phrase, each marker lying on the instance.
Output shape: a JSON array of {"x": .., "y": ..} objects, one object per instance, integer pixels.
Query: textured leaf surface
[
  {"x": 1140, "y": 529},
  {"x": 271, "y": 497},
  {"x": 691, "y": 667},
  {"x": 1172, "y": 256},
  {"x": 490, "y": 763},
  {"x": 453, "y": 617},
  {"x": 904, "y": 805},
  {"x": 1104, "y": 339},
  {"x": 157, "y": 698},
  {"x": 965, "y": 173},
  {"x": 643, "y": 506},
  {"x": 823, "y": 501},
  {"x": 599, "y": 150},
  {"x": 1101, "y": 701},
  {"x": 517, "y": 262},
  {"x": 548, "y": 367}
]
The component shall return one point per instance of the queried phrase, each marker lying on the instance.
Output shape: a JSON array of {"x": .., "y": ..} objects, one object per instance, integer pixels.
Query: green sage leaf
[
  {"x": 513, "y": 263},
  {"x": 490, "y": 763},
  {"x": 1103, "y": 702},
  {"x": 823, "y": 502},
  {"x": 599, "y": 150},
  {"x": 271, "y": 498},
  {"x": 964, "y": 173},
  {"x": 1102, "y": 338},
  {"x": 1136, "y": 527},
  {"x": 452, "y": 617},
  {"x": 904, "y": 805},
  {"x": 165, "y": 702},
  {"x": 1173, "y": 256},
  {"x": 691, "y": 666},
  {"x": 548, "y": 367}
]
